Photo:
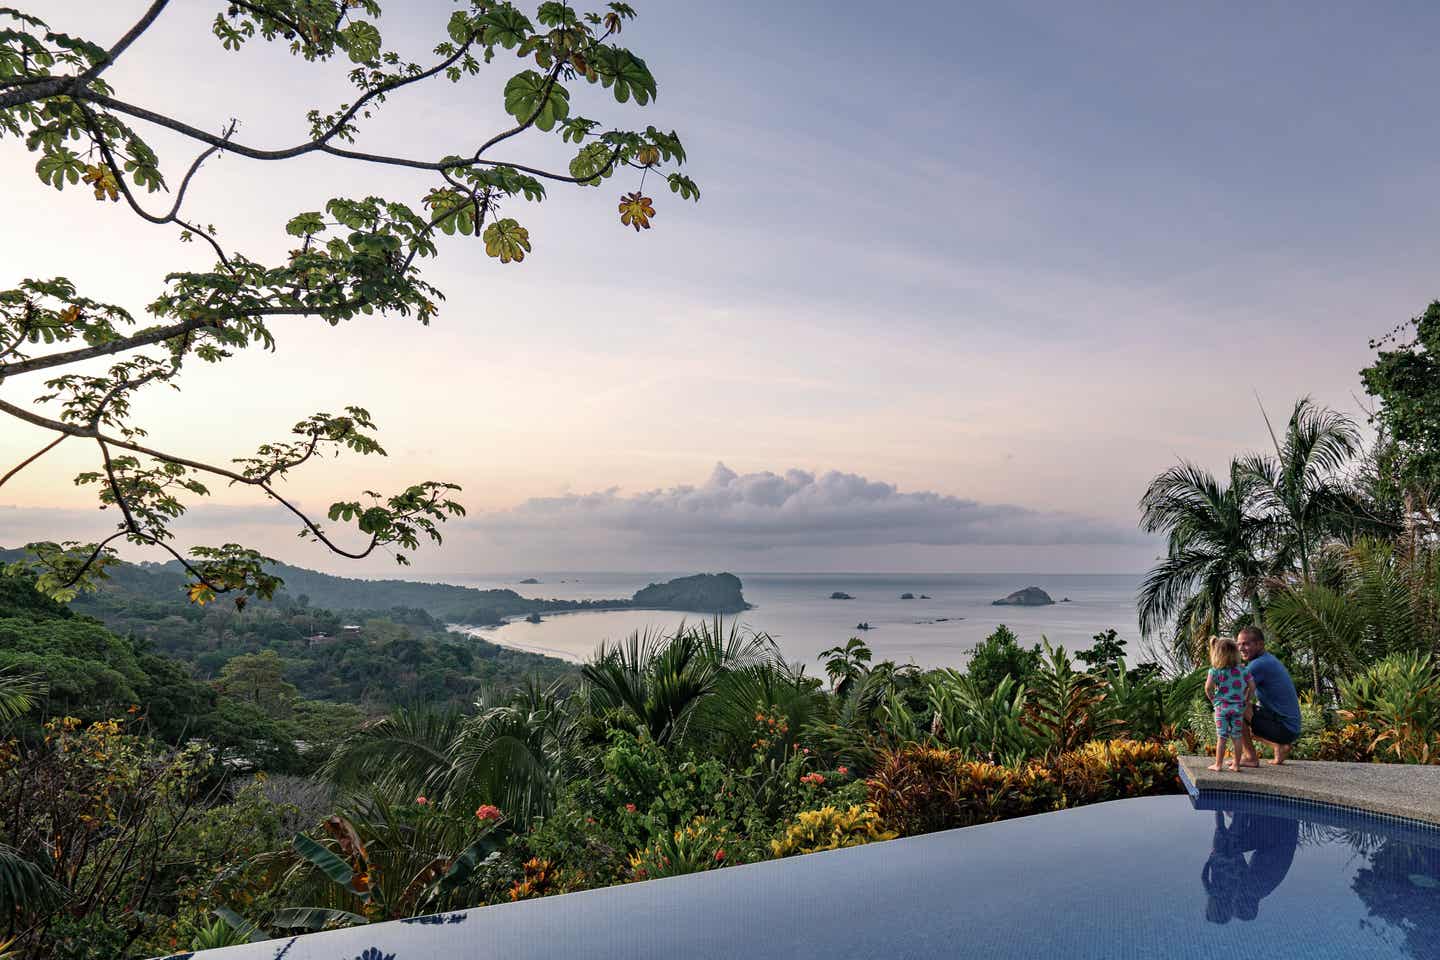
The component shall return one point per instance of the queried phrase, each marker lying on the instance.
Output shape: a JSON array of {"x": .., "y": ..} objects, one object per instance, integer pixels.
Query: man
[{"x": 1275, "y": 719}]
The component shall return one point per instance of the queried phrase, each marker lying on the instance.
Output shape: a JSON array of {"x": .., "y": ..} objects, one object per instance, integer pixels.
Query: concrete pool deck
[{"x": 1397, "y": 790}]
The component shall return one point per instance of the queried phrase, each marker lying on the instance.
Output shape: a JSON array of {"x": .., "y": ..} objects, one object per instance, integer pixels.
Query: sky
[{"x": 961, "y": 281}]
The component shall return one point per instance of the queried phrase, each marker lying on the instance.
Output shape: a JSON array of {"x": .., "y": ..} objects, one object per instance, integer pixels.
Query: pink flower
[
  {"x": 421, "y": 800},
  {"x": 629, "y": 808},
  {"x": 843, "y": 771},
  {"x": 487, "y": 812},
  {"x": 804, "y": 749}
]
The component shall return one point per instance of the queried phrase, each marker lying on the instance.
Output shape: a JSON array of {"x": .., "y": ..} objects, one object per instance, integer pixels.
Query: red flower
[
  {"x": 813, "y": 779},
  {"x": 719, "y": 854},
  {"x": 629, "y": 808},
  {"x": 487, "y": 812}
]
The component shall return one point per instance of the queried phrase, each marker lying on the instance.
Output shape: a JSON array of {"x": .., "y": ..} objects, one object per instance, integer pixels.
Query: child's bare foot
[{"x": 1214, "y": 766}]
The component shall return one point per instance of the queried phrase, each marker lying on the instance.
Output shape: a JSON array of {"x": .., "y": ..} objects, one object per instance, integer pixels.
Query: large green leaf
[
  {"x": 592, "y": 163},
  {"x": 58, "y": 166},
  {"x": 526, "y": 96},
  {"x": 466, "y": 861},
  {"x": 246, "y": 928},
  {"x": 329, "y": 864},
  {"x": 625, "y": 72},
  {"x": 361, "y": 41},
  {"x": 313, "y": 918},
  {"x": 506, "y": 26},
  {"x": 507, "y": 240}
]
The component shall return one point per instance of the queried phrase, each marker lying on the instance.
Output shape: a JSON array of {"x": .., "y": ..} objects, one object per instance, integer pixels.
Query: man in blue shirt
[{"x": 1275, "y": 719}]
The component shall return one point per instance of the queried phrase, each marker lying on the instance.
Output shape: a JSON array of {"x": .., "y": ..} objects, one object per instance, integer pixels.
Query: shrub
[
  {"x": 1400, "y": 698},
  {"x": 919, "y": 789},
  {"x": 1352, "y": 743},
  {"x": 1000, "y": 655},
  {"x": 690, "y": 849},
  {"x": 829, "y": 829},
  {"x": 1116, "y": 769}
]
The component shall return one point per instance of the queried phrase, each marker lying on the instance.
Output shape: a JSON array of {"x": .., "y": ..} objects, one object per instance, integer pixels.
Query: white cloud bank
[{"x": 763, "y": 511}]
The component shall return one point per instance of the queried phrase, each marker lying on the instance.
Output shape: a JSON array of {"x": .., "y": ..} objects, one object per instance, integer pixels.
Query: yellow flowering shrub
[{"x": 830, "y": 828}]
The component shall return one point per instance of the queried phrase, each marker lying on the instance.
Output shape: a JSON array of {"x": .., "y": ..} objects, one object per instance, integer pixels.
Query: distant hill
[{"x": 702, "y": 593}]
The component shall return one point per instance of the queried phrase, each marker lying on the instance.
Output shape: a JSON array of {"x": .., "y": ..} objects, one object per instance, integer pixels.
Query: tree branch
[
  {"x": 288, "y": 153},
  {"x": 93, "y": 433},
  {"x": 123, "y": 43},
  {"x": 32, "y": 458}
]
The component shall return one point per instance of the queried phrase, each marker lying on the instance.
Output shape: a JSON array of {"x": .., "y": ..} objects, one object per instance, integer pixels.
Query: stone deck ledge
[{"x": 1392, "y": 789}]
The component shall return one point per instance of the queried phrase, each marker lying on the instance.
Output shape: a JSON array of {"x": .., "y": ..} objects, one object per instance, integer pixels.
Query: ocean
[{"x": 795, "y": 609}]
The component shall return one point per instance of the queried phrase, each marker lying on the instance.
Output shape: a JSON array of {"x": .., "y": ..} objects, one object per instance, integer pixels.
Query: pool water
[{"x": 1152, "y": 877}]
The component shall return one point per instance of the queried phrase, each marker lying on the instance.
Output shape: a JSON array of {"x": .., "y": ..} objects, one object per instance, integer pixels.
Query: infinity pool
[{"x": 1152, "y": 877}]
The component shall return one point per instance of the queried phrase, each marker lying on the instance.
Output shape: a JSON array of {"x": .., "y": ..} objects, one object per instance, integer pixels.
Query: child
[{"x": 1229, "y": 689}]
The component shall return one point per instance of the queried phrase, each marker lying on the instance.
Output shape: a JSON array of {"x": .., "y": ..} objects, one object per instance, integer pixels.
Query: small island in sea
[
  {"x": 1029, "y": 597},
  {"x": 840, "y": 595},
  {"x": 533, "y": 580}
]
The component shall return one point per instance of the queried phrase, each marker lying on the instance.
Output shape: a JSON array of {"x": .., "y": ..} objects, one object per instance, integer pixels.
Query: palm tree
[
  {"x": 844, "y": 665},
  {"x": 655, "y": 683},
  {"x": 1215, "y": 545},
  {"x": 1301, "y": 489},
  {"x": 18, "y": 694},
  {"x": 515, "y": 751},
  {"x": 1367, "y": 601}
]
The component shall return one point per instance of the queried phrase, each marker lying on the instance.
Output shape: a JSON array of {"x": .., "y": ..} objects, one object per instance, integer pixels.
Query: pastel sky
[{"x": 962, "y": 280}]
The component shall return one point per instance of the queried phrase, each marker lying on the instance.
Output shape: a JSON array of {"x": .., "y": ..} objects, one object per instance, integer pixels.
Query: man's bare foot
[
  {"x": 1250, "y": 762},
  {"x": 1233, "y": 766},
  {"x": 1214, "y": 766},
  {"x": 1282, "y": 753}
]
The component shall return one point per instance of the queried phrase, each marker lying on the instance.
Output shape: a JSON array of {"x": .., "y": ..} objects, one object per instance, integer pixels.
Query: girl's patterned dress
[{"x": 1229, "y": 684}]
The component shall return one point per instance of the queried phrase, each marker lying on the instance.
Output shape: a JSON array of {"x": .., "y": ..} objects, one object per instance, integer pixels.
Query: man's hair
[{"x": 1252, "y": 632}]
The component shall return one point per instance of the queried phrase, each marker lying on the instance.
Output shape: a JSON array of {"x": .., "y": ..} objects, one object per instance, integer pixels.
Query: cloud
[{"x": 765, "y": 510}]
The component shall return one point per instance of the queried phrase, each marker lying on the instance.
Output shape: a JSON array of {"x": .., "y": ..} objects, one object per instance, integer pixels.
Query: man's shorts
[{"x": 1267, "y": 725}]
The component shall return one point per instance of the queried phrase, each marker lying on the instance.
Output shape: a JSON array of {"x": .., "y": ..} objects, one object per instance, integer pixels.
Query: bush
[
  {"x": 829, "y": 829},
  {"x": 919, "y": 789},
  {"x": 1399, "y": 697},
  {"x": 1000, "y": 655},
  {"x": 689, "y": 849},
  {"x": 1116, "y": 769},
  {"x": 1352, "y": 743}
]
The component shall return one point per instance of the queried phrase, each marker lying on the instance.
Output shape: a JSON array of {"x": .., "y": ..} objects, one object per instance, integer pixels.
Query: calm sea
[{"x": 795, "y": 609}]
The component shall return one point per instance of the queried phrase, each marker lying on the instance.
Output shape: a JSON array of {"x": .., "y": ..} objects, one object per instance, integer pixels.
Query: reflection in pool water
[
  {"x": 1235, "y": 884},
  {"x": 1152, "y": 877}
]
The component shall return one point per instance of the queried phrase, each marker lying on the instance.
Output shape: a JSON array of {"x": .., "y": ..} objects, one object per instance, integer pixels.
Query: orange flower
[
  {"x": 487, "y": 812},
  {"x": 843, "y": 771}
]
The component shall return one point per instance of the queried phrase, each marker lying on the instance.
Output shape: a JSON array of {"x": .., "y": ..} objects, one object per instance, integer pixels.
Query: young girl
[{"x": 1229, "y": 689}]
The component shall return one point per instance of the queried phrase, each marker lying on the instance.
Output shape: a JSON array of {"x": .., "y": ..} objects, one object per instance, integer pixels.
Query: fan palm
[
  {"x": 655, "y": 683},
  {"x": 1377, "y": 601},
  {"x": 515, "y": 752},
  {"x": 1215, "y": 544}
]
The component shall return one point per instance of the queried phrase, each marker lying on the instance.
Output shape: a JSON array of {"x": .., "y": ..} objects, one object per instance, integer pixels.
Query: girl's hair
[{"x": 1223, "y": 653}]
